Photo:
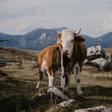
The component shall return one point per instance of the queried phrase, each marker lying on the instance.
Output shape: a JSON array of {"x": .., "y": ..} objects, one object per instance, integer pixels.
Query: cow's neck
[{"x": 74, "y": 56}]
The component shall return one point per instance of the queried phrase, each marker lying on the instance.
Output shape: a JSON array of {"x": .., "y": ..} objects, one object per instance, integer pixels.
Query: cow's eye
[{"x": 71, "y": 40}]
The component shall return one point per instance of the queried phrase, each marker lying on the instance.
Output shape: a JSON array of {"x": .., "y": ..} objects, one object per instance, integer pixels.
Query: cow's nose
[{"x": 65, "y": 51}]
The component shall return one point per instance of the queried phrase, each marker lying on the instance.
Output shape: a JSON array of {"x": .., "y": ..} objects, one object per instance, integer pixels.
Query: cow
[
  {"x": 49, "y": 62},
  {"x": 75, "y": 52},
  {"x": 71, "y": 44}
]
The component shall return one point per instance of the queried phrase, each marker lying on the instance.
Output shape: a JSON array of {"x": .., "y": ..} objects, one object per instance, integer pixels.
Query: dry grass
[
  {"x": 12, "y": 52},
  {"x": 109, "y": 50},
  {"x": 18, "y": 93}
]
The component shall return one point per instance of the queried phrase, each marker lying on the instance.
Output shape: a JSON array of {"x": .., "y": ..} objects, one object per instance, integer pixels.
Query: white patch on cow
[
  {"x": 67, "y": 43},
  {"x": 43, "y": 66},
  {"x": 51, "y": 78},
  {"x": 94, "y": 50},
  {"x": 77, "y": 78}
]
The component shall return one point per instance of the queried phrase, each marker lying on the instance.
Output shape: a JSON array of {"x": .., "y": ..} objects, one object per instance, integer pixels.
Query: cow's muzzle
[{"x": 64, "y": 51}]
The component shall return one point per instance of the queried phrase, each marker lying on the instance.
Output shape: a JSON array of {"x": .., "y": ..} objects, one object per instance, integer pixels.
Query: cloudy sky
[{"x": 22, "y": 16}]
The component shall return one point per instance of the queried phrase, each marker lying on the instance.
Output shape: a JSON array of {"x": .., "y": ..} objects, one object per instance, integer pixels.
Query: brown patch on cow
[
  {"x": 79, "y": 38},
  {"x": 79, "y": 51},
  {"x": 51, "y": 56}
]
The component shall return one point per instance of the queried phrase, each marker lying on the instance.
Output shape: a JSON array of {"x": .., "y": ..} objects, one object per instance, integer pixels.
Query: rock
[
  {"x": 94, "y": 109},
  {"x": 107, "y": 110},
  {"x": 66, "y": 103},
  {"x": 57, "y": 92}
]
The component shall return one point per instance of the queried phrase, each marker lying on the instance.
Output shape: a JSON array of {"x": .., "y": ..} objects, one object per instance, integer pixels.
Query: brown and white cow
[
  {"x": 48, "y": 62},
  {"x": 75, "y": 54},
  {"x": 74, "y": 50}
]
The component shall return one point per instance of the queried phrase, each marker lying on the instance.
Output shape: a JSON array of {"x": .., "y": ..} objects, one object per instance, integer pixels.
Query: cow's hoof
[{"x": 50, "y": 87}]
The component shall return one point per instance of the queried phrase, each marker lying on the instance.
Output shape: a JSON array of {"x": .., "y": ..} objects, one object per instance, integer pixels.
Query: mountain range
[{"x": 41, "y": 38}]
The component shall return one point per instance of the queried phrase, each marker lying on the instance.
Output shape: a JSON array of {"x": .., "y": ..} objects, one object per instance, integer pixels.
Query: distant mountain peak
[{"x": 43, "y": 37}]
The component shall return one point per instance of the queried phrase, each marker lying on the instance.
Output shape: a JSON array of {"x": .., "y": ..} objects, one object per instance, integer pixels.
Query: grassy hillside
[{"x": 10, "y": 52}]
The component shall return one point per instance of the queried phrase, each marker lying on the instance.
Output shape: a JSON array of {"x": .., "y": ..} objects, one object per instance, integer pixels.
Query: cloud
[
  {"x": 21, "y": 16},
  {"x": 107, "y": 24},
  {"x": 23, "y": 28}
]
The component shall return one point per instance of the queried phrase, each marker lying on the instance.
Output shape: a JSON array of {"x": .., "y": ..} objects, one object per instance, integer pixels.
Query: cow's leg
[
  {"x": 77, "y": 78},
  {"x": 51, "y": 78},
  {"x": 64, "y": 82},
  {"x": 65, "y": 78},
  {"x": 39, "y": 80}
]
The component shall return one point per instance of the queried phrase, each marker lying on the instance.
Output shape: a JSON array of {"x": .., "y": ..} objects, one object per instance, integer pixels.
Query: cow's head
[{"x": 67, "y": 38}]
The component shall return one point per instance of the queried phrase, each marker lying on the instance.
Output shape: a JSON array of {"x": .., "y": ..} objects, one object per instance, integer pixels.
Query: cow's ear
[
  {"x": 80, "y": 38},
  {"x": 59, "y": 37},
  {"x": 58, "y": 46}
]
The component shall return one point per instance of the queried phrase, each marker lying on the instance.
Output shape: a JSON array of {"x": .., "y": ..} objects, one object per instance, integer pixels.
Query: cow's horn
[{"x": 78, "y": 31}]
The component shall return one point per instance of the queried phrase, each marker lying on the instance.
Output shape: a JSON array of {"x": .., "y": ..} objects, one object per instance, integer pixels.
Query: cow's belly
[
  {"x": 57, "y": 67},
  {"x": 43, "y": 69}
]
